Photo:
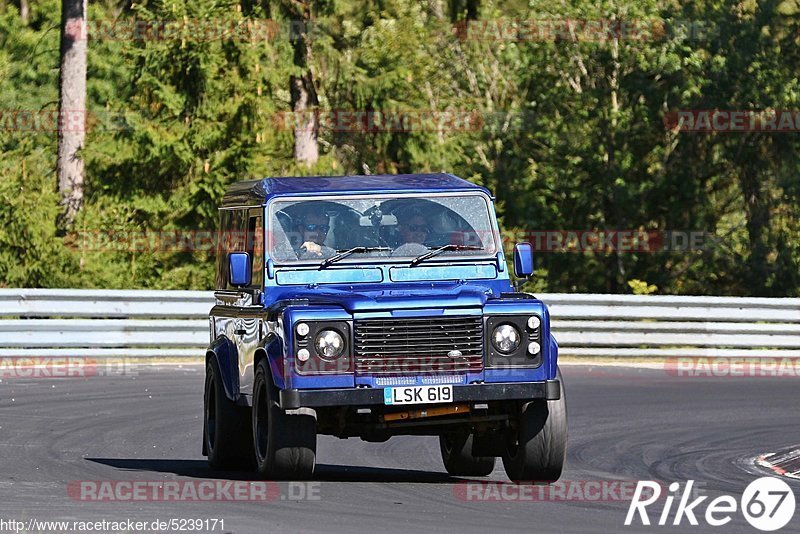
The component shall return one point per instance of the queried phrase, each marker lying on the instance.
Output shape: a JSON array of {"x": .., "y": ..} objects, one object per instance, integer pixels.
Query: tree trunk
[
  {"x": 757, "y": 212},
  {"x": 303, "y": 93},
  {"x": 24, "y": 11},
  {"x": 613, "y": 213},
  {"x": 72, "y": 109},
  {"x": 306, "y": 126}
]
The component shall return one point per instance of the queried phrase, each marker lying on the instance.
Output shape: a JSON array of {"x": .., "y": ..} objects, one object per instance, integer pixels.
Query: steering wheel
[{"x": 326, "y": 252}]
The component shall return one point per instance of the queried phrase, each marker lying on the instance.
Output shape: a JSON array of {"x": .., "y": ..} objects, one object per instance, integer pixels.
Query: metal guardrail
[
  {"x": 674, "y": 326},
  {"x": 130, "y": 323}
]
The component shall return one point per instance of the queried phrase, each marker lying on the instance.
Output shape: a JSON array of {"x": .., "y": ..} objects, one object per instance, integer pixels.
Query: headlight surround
[
  {"x": 506, "y": 338},
  {"x": 324, "y": 349},
  {"x": 512, "y": 340},
  {"x": 329, "y": 344}
]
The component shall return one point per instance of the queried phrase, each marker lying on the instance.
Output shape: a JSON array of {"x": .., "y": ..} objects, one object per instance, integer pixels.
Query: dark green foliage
[{"x": 571, "y": 134}]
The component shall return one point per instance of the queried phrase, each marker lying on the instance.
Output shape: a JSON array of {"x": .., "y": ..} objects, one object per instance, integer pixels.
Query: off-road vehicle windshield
[{"x": 398, "y": 228}]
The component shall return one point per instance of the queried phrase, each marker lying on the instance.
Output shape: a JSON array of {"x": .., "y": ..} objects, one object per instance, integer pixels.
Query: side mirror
[
  {"x": 523, "y": 260},
  {"x": 239, "y": 268}
]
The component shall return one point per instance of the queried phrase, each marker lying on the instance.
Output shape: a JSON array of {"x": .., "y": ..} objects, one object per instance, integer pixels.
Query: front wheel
[
  {"x": 458, "y": 459},
  {"x": 285, "y": 445},
  {"x": 537, "y": 449}
]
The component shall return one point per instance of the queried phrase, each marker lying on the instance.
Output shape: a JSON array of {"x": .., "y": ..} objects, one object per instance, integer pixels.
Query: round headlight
[
  {"x": 506, "y": 338},
  {"x": 303, "y": 355},
  {"x": 302, "y": 329},
  {"x": 330, "y": 344},
  {"x": 533, "y": 323},
  {"x": 533, "y": 348}
]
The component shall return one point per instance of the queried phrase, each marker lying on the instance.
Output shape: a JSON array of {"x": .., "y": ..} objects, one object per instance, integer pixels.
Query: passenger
[{"x": 413, "y": 227}]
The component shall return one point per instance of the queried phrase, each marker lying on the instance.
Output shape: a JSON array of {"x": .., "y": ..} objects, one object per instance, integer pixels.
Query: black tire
[
  {"x": 285, "y": 446},
  {"x": 227, "y": 438},
  {"x": 537, "y": 450},
  {"x": 458, "y": 459}
]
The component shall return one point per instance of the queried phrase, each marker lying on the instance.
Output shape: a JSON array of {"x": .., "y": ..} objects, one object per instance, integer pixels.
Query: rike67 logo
[{"x": 767, "y": 503}]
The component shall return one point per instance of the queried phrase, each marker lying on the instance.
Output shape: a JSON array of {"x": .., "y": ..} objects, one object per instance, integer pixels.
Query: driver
[
  {"x": 313, "y": 228},
  {"x": 413, "y": 227}
]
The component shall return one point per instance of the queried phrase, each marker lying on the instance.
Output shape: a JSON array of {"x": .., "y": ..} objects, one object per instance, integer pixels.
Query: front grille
[{"x": 407, "y": 346}]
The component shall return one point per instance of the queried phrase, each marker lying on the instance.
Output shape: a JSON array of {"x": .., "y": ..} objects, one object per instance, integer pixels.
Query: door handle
[{"x": 240, "y": 332}]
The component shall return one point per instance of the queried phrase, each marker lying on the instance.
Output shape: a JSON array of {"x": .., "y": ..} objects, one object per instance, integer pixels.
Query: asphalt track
[{"x": 625, "y": 425}]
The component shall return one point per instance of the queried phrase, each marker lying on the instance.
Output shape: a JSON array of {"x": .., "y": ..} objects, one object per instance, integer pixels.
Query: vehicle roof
[{"x": 257, "y": 192}]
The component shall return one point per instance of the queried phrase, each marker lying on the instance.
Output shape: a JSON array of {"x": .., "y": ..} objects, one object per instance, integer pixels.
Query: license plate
[{"x": 418, "y": 395}]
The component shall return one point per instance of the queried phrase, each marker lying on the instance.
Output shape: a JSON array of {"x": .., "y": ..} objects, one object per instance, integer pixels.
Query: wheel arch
[
  {"x": 224, "y": 351},
  {"x": 272, "y": 351}
]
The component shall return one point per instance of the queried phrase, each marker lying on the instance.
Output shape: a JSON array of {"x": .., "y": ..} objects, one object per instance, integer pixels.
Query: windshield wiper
[
  {"x": 342, "y": 254},
  {"x": 435, "y": 252}
]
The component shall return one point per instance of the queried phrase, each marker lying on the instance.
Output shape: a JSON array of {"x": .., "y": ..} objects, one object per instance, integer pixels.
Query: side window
[
  {"x": 231, "y": 239},
  {"x": 255, "y": 246}
]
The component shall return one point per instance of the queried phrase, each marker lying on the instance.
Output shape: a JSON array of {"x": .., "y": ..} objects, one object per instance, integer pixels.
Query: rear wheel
[
  {"x": 537, "y": 449},
  {"x": 458, "y": 459},
  {"x": 227, "y": 438},
  {"x": 285, "y": 445}
]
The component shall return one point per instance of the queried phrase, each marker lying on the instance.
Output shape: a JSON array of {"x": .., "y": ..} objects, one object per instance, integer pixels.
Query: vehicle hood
[{"x": 431, "y": 295}]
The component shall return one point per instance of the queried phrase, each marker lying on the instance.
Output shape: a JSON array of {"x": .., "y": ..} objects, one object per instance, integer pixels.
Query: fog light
[
  {"x": 534, "y": 322},
  {"x": 534, "y": 348},
  {"x": 505, "y": 338},
  {"x": 303, "y": 355},
  {"x": 302, "y": 329}
]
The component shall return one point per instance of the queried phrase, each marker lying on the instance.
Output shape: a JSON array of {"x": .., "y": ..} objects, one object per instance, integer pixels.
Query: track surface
[{"x": 625, "y": 424}]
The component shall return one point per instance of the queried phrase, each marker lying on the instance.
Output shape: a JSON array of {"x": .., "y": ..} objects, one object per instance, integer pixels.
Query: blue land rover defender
[{"x": 370, "y": 307}]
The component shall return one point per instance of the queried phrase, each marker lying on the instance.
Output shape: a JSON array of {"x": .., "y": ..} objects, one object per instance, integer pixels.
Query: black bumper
[{"x": 291, "y": 399}]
